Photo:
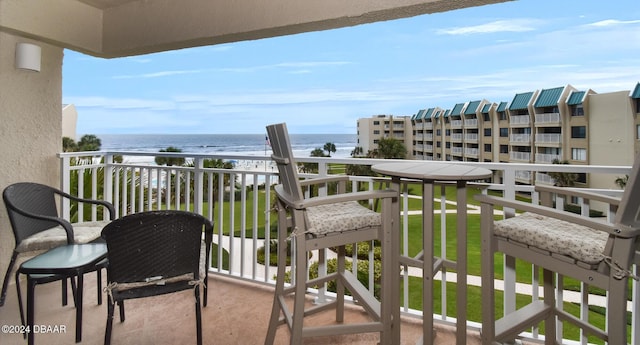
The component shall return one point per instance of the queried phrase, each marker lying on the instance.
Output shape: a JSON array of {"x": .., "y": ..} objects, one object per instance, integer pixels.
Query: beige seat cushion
[
  {"x": 556, "y": 236},
  {"x": 339, "y": 217},
  {"x": 84, "y": 232}
]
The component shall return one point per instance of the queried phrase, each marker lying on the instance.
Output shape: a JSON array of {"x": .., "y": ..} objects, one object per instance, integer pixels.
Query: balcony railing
[
  {"x": 547, "y": 118},
  {"x": 519, "y": 120},
  {"x": 233, "y": 198},
  {"x": 548, "y": 138}
]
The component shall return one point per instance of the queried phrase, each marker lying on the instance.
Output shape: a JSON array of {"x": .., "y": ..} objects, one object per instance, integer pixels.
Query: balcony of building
[
  {"x": 241, "y": 293},
  {"x": 546, "y": 119},
  {"x": 520, "y": 138},
  {"x": 519, "y": 120},
  {"x": 548, "y": 138}
]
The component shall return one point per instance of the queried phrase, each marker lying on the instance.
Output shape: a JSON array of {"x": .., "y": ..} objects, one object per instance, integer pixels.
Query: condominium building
[
  {"x": 540, "y": 126},
  {"x": 371, "y": 130}
]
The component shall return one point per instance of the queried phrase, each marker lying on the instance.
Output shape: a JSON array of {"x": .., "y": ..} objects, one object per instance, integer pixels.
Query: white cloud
[
  {"x": 515, "y": 25},
  {"x": 157, "y": 74},
  {"x": 612, "y": 22}
]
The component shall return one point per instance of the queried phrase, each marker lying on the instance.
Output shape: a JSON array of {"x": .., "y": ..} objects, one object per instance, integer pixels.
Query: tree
[
  {"x": 357, "y": 151},
  {"x": 563, "y": 179},
  {"x": 390, "y": 148},
  {"x": 358, "y": 169},
  {"x": 69, "y": 145},
  {"x": 312, "y": 167},
  {"x": 89, "y": 142},
  {"x": 170, "y": 161},
  {"x": 622, "y": 181},
  {"x": 330, "y": 148}
]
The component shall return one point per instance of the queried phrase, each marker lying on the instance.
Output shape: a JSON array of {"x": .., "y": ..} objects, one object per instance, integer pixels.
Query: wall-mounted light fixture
[{"x": 28, "y": 56}]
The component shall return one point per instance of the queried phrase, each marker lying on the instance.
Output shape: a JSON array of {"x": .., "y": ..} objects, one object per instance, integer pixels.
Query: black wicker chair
[
  {"x": 153, "y": 253},
  {"x": 37, "y": 225}
]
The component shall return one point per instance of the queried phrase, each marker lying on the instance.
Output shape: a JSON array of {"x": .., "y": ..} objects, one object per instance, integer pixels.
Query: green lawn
[{"x": 523, "y": 270}]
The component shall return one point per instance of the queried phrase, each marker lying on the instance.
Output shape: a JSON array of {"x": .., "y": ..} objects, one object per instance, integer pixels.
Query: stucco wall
[
  {"x": 611, "y": 134},
  {"x": 30, "y": 134}
]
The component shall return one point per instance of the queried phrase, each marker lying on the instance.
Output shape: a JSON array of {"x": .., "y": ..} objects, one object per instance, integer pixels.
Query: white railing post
[
  {"x": 65, "y": 184},
  {"x": 198, "y": 174}
]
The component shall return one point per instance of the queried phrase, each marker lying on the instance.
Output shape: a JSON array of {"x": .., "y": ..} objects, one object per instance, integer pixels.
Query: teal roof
[
  {"x": 429, "y": 113},
  {"x": 549, "y": 97},
  {"x": 576, "y": 97},
  {"x": 420, "y": 114},
  {"x": 521, "y": 101},
  {"x": 446, "y": 113},
  {"x": 457, "y": 109},
  {"x": 486, "y": 108},
  {"x": 636, "y": 91},
  {"x": 438, "y": 113},
  {"x": 472, "y": 107},
  {"x": 502, "y": 106}
]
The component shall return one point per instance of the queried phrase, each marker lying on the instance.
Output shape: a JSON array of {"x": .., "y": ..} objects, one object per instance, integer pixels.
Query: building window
[
  {"x": 447, "y": 132},
  {"x": 438, "y": 132},
  {"x": 578, "y": 132},
  {"x": 504, "y": 132},
  {"x": 376, "y": 131},
  {"x": 438, "y": 144},
  {"x": 487, "y": 147},
  {"x": 485, "y": 117},
  {"x": 504, "y": 148},
  {"x": 503, "y": 116},
  {"x": 577, "y": 110},
  {"x": 579, "y": 154},
  {"x": 487, "y": 132},
  {"x": 448, "y": 145},
  {"x": 376, "y": 123}
]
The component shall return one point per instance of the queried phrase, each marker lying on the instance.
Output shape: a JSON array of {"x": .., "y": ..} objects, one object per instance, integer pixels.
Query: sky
[{"x": 322, "y": 82}]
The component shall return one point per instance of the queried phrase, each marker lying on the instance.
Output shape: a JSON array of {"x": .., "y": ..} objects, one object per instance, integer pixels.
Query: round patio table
[{"x": 429, "y": 173}]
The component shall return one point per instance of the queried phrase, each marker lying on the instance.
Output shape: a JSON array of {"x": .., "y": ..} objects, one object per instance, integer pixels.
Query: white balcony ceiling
[{"x": 113, "y": 28}]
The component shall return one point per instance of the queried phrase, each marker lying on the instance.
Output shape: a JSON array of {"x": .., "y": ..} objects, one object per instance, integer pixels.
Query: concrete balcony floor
[{"x": 237, "y": 313}]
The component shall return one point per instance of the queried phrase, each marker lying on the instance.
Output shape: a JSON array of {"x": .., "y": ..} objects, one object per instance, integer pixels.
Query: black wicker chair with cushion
[
  {"x": 593, "y": 251},
  {"x": 154, "y": 253},
  {"x": 37, "y": 224}
]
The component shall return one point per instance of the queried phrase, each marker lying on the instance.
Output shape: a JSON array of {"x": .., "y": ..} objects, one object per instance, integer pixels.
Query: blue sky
[{"x": 322, "y": 82}]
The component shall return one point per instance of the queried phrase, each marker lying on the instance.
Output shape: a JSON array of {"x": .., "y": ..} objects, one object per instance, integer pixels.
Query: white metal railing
[
  {"x": 547, "y": 118},
  {"x": 471, "y": 151},
  {"x": 456, "y": 123},
  {"x": 519, "y": 120},
  {"x": 520, "y": 138},
  {"x": 232, "y": 198},
  {"x": 520, "y": 156},
  {"x": 471, "y": 136},
  {"x": 470, "y": 122},
  {"x": 547, "y": 157},
  {"x": 548, "y": 138}
]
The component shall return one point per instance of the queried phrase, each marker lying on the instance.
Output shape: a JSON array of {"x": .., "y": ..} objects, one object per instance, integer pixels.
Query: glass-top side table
[{"x": 72, "y": 260}]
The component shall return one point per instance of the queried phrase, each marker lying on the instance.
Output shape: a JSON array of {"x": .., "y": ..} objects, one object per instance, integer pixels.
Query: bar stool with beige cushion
[
  {"x": 594, "y": 251},
  {"x": 315, "y": 223}
]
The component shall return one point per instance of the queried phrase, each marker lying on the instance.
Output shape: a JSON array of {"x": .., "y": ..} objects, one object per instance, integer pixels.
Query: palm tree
[
  {"x": 622, "y": 181},
  {"x": 330, "y": 148},
  {"x": 89, "y": 142},
  {"x": 170, "y": 161},
  {"x": 389, "y": 148},
  {"x": 563, "y": 179}
]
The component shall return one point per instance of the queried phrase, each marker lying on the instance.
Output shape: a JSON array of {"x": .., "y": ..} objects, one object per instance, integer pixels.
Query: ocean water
[{"x": 241, "y": 144}]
